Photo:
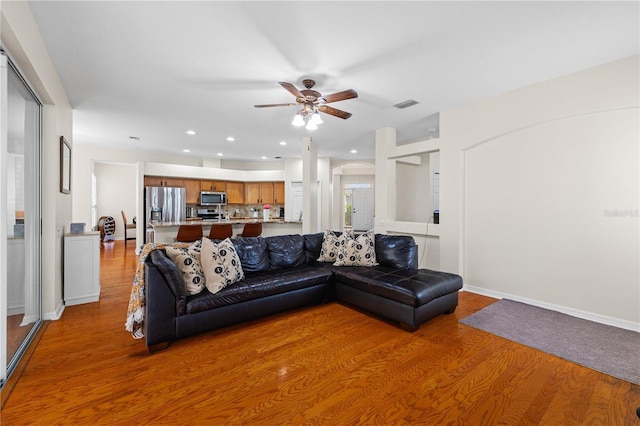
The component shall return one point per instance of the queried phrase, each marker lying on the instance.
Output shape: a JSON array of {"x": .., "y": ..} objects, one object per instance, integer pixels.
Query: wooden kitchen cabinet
[
  {"x": 278, "y": 189},
  {"x": 174, "y": 182},
  {"x": 235, "y": 192},
  {"x": 266, "y": 192},
  {"x": 153, "y": 180},
  {"x": 193, "y": 190},
  {"x": 253, "y": 193},
  {"x": 259, "y": 193},
  {"x": 163, "y": 181},
  {"x": 213, "y": 185}
]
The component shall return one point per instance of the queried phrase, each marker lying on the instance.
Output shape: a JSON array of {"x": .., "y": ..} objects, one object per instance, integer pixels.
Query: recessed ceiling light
[
  {"x": 283, "y": 143},
  {"x": 220, "y": 154},
  {"x": 264, "y": 157},
  {"x": 186, "y": 150},
  {"x": 191, "y": 132},
  {"x": 354, "y": 151},
  {"x": 231, "y": 139}
]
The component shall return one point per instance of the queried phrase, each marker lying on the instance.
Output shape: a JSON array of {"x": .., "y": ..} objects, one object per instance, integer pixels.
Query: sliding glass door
[{"x": 20, "y": 209}]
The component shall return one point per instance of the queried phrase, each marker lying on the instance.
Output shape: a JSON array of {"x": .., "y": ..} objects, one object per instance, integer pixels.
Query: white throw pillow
[
  {"x": 331, "y": 244},
  {"x": 188, "y": 262},
  {"x": 220, "y": 263},
  {"x": 358, "y": 252}
]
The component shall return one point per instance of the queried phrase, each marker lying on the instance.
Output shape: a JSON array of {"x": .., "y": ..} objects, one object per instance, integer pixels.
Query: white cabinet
[{"x": 81, "y": 268}]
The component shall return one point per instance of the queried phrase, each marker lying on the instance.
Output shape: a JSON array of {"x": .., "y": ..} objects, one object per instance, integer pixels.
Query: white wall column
[
  {"x": 337, "y": 210},
  {"x": 385, "y": 200},
  {"x": 325, "y": 207},
  {"x": 310, "y": 186}
]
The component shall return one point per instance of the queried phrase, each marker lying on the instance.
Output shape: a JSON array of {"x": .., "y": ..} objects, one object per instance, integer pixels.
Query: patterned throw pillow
[
  {"x": 221, "y": 264},
  {"x": 358, "y": 252},
  {"x": 331, "y": 244},
  {"x": 188, "y": 262}
]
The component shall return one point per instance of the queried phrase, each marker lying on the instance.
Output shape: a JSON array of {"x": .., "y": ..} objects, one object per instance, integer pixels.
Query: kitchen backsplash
[{"x": 243, "y": 210}]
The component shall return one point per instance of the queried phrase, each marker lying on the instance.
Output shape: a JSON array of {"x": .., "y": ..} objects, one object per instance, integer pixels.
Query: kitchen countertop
[{"x": 233, "y": 220}]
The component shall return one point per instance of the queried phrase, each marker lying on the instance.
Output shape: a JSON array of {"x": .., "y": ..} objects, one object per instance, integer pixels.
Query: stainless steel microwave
[{"x": 213, "y": 198}]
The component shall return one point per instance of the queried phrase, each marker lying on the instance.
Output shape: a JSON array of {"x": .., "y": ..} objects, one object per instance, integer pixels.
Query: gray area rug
[{"x": 610, "y": 350}]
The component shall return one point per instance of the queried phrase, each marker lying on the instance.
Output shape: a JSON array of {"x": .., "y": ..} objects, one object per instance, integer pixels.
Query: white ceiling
[{"x": 157, "y": 69}]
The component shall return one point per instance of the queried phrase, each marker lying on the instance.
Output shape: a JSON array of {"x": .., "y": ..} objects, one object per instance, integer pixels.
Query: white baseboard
[
  {"x": 53, "y": 316},
  {"x": 15, "y": 310},
  {"x": 28, "y": 319},
  {"x": 602, "y": 319}
]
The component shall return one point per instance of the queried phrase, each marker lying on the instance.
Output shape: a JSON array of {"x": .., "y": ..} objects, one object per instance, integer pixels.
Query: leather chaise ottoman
[{"x": 408, "y": 296}]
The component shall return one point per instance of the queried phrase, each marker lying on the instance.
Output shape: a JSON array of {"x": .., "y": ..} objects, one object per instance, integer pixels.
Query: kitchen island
[{"x": 165, "y": 232}]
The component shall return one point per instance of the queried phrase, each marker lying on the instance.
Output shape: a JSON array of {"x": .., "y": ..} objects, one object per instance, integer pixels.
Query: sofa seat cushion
[
  {"x": 258, "y": 285},
  {"x": 410, "y": 287}
]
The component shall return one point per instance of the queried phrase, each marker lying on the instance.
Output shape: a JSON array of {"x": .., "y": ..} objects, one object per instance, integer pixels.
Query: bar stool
[
  {"x": 189, "y": 233},
  {"x": 251, "y": 229},
  {"x": 220, "y": 231}
]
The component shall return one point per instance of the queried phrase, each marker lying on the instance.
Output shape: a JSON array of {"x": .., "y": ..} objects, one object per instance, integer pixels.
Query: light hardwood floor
[{"x": 325, "y": 364}]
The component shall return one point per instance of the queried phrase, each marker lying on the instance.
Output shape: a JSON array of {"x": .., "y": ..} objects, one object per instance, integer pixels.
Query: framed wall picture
[{"x": 65, "y": 166}]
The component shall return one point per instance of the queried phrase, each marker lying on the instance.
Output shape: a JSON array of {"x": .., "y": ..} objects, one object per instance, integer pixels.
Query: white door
[
  {"x": 293, "y": 211},
  {"x": 362, "y": 209}
]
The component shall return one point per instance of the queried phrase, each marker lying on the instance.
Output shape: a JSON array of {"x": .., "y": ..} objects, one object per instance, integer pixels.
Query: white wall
[
  {"x": 22, "y": 39},
  {"x": 531, "y": 183},
  {"x": 115, "y": 192},
  {"x": 414, "y": 202}
]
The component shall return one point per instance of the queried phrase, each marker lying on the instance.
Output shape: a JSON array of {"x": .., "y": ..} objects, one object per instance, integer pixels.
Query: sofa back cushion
[
  {"x": 253, "y": 254},
  {"x": 286, "y": 251},
  {"x": 172, "y": 276},
  {"x": 312, "y": 246},
  {"x": 397, "y": 251}
]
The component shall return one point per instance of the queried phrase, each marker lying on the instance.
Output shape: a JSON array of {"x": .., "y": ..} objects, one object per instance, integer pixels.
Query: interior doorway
[{"x": 346, "y": 177}]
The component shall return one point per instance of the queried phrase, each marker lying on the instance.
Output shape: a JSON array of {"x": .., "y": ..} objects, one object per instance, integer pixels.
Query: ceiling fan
[{"x": 312, "y": 101}]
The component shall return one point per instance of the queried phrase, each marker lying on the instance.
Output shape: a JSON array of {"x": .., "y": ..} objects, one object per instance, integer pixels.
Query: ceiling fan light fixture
[
  {"x": 308, "y": 101},
  {"x": 315, "y": 118},
  {"x": 298, "y": 121}
]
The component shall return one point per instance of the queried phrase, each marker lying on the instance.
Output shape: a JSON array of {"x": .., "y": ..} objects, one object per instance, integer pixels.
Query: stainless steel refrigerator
[{"x": 165, "y": 204}]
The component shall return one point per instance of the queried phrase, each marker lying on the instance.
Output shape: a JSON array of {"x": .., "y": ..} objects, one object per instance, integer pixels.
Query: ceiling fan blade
[
  {"x": 333, "y": 111},
  {"x": 340, "y": 96},
  {"x": 272, "y": 105},
  {"x": 292, "y": 89}
]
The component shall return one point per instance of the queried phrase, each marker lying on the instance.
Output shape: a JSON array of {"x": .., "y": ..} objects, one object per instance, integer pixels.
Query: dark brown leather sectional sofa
[{"x": 281, "y": 273}]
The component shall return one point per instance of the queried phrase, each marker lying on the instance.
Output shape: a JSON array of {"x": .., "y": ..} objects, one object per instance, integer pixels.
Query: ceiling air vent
[{"x": 406, "y": 104}]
